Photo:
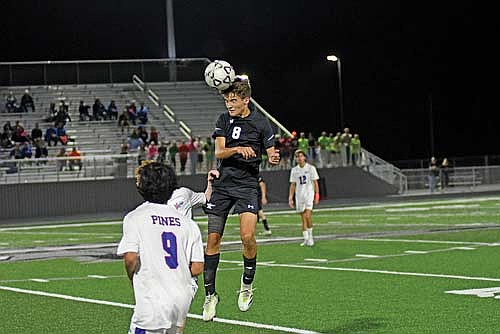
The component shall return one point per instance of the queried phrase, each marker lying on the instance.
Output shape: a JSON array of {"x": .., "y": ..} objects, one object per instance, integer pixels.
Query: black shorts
[{"x": 259, "y": 200}]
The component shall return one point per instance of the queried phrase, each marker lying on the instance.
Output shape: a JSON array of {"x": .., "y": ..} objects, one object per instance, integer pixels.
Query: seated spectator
[
  {"x": 20, "y": 135},
  {"x": 134, "y": 141},
  {"x": 75, "y": 160},
  {"x": 51, "y": 136},
  {"x": 7, "y": 127},
  {"x": 27, "y": 102},
  {"x": 83, "y": 110},
  {"x": 52, "y": 113},
  {"x": 5, "y": 140},
  {"x": 16, "y": 152},
  {"x": 142, "y": 113},
  {"x": 27, "y": 150},
  {"x": 143, "y": 133},
  {"x": 61, "y": 134},
  {"x": 36, "y": 133},
  {"x": 132, "y": 112},
  {"x": 41, "y": 151},
  {"x": 11, "y": 103},
  {"x": 61, "y": 163},
  {"x": 112, "y": 110},
  {"x": 98, "y": 110},
  {"x": 154, "y": 136},
  {"x": 62, "y": 116},
  {"x": 123, "y": 120}
]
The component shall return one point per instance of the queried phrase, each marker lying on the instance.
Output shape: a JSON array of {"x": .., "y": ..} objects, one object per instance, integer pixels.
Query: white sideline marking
[
  {"x": 315, "y": 260},
  {"x": 39, "y": 280},
  {"x": 369, "y": 256},
  {"x": 4, "y": 243},
  {"x": 22, "y": 228},
  {"x": 194, "y": 316},
  {"x": 416, "y": 252},
  {"x": 425, "y": 241},
  {"x": 39, "y": 241},
  {"x": 3, "y": 258},
  {"x": 386, "y": 272},
  {"x": 464, "y": 248},
  {"x": 97, "y": 276}
]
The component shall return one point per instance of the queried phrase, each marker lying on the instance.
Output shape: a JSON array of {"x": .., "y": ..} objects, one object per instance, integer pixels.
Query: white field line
[
  {"x": 416, "y": 252},
  {"x": 129, "y": 306},
  {"x": 374, "y": 271},
  {"x": 448, "y": 242},
  {"x": 368, "y": 256}
]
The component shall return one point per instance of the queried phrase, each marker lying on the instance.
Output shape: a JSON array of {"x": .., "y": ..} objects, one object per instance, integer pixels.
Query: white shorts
[
  {"x": 135, "y": 330},
  {"x": 305, "y": 203}
]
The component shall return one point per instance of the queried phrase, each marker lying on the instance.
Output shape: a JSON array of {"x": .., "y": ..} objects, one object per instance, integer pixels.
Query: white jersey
[
  {"x": 184, "y": 199},
  {"x": 166, "y": 242},
  {"x": 303, "y": 178}
]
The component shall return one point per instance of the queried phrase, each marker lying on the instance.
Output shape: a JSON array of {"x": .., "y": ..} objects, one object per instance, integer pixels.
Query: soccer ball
[{"x": 219, "y": 74}]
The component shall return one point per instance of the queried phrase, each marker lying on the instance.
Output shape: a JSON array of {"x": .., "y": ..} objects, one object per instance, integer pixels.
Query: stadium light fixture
[{"x": 336, "y": 59}]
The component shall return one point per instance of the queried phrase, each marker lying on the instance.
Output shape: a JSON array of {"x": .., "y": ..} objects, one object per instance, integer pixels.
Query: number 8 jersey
[{"x": 166, "y": 242}]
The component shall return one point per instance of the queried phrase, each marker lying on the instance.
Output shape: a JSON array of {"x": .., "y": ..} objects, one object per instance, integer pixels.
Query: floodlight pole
[
  {"x": 334, "y": 58},
  {"x": 171, "y": 38}
]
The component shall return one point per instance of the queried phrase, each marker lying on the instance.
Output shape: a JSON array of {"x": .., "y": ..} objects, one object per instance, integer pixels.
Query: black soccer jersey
[{"x": 254, "y": 131}]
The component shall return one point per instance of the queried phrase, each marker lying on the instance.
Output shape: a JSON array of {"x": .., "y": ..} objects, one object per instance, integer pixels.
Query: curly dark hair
[
  {"x": 240, "y": 87},
  {"x": 155, "y": 181}
]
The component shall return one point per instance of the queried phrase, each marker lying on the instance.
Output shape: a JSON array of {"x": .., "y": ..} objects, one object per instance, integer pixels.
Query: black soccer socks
[
  {"x": 250, "y": 265},
  {"x": 209, "y": 271}
]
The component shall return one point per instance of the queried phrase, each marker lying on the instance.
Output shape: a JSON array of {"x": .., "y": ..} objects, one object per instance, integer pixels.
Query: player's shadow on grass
[{"x": 361, "y": 325}]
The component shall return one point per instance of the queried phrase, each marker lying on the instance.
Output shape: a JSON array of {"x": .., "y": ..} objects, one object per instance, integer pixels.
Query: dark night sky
[{"x": 395, "y": 55}]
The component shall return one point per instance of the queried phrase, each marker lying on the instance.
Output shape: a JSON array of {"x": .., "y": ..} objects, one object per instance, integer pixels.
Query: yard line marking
[
  {"x": 386, "y": 272},
  {"x": 39, "y": 280},
  {"x": 97, "y": 276},
  {"x": 423, "y": 241},
  {"x": 416, "y": 252},
  {"x": 39, "y": 241},
  {"x": 464, "y": 248},
  {"x": 483, "y": 293},
  {"x": 369, "y": 256},
  {"x": 129, "y": 306},
  {"x": 315, "y": 260}
]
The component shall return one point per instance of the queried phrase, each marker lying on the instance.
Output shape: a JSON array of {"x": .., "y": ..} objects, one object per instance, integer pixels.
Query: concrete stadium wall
[{"x": 37, "y": 200}]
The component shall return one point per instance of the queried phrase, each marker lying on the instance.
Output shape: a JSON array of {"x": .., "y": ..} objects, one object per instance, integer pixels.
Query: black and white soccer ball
[{"x": 219, "y": 74}]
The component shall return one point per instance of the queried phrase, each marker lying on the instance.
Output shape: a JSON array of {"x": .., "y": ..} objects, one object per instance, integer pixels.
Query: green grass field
[{"x": 374, "y": 269}]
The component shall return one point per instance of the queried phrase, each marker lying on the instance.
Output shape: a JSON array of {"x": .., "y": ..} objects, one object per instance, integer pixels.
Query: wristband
[{"x": 316, "y": 196}]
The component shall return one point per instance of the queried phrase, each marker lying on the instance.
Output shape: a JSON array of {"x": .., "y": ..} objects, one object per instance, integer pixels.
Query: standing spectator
[
  {"x": 199, "y": 148},
  {"x": 313, "y": 148},
  {"x": 183, "y": 155},
  {"x": 142, "y": 154},
  {"x": 209, "y": 148},
  {"x": 75, "y": 160},
  {"x": 445, "y": 173},
  {"x": 336, "y": 149},
  {"x": 168, "y": 278},
  {"x": 193, "y": 155},
  {"x": 152, "y": 151},
  {"x": 83, "y": 110},
  {"x": 162, "y": 153},
  {"x": 172, "y": 152},
  {"x": 433, "y": 174},
  {"x": 27, "y": 102},
  {"x": 324, "y": 150},
  {"x": 355, "y": 150},
  {"x": 154, "y": 136},
  {"x": 36, "y": 133},
  {"x": 345, "y": 140},
  {"x": 303, "y": 142},
  {"x": 62, "y": 115},
  {"x": 142, "y": 113},
  {"x": 112, "y": 110},
  {"x": 61, "y": 163},
  {"x": 304, "y": 186}
]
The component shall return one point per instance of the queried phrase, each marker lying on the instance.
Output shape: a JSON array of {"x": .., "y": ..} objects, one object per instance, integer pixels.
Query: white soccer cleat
[
  {"x": 210, "y": 306},
  {"x": 267, "y": 232},
  {"x": 310, "y": 242},
  {"x": 245, "y": 296}
]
